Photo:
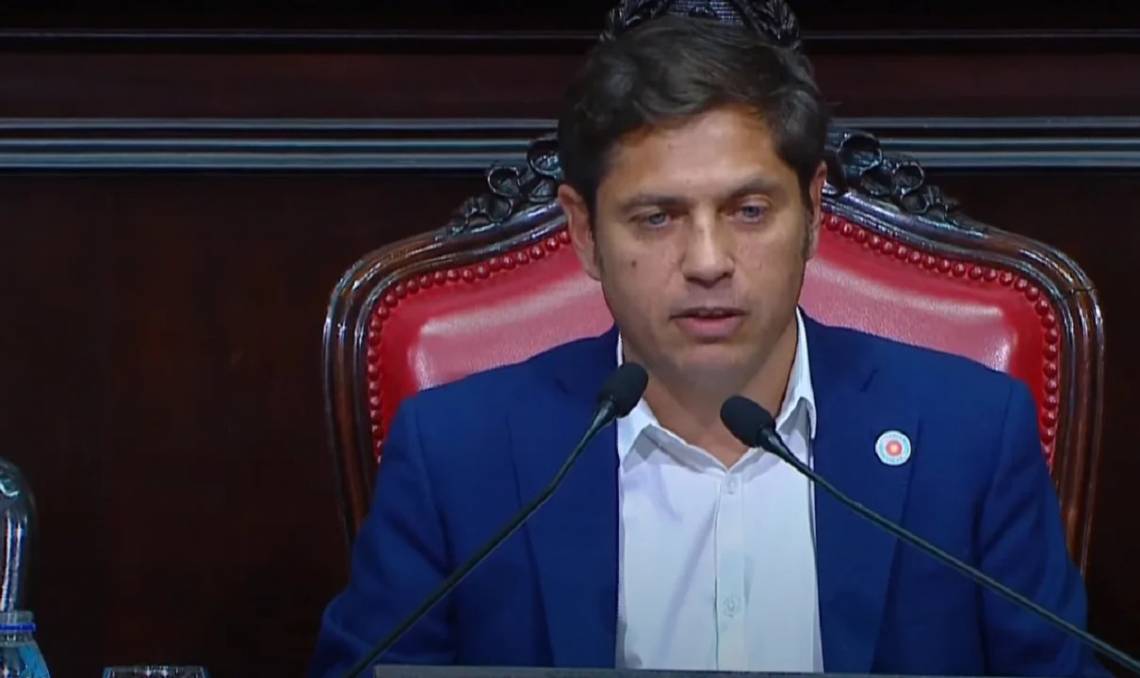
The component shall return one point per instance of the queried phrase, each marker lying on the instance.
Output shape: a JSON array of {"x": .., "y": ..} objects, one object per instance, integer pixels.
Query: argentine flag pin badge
[{"x": 893, "y": 448}]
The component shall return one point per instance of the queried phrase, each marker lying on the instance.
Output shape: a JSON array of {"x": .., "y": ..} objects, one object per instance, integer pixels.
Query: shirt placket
[{"x": 732, "y": 648}]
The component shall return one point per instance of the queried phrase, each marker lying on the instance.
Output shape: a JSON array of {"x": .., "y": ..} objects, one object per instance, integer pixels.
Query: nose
[{"x": 708, "y": 257}]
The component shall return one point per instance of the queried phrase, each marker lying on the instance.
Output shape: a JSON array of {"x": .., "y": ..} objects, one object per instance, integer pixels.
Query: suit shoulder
[
  {"x": 462, "y": 426},
  {"x": 924, "y": 372},
  {"x": 493, "y": 388},
  {"x": 965, "y": 408}
]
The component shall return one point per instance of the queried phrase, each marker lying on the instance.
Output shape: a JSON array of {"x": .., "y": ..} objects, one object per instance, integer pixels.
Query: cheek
[
  {"x": 632, "y": 284},
  {"x": 784, "y": 243},
  {"x": 637, "y": 273},
  {"x": 773, "y": 263},
  {"x": 626, "y": 275}
]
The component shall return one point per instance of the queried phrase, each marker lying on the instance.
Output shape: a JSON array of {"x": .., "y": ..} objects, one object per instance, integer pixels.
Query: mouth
[
  {"x": 709, "y": 323},
  {"x": 709, "y": 312}
]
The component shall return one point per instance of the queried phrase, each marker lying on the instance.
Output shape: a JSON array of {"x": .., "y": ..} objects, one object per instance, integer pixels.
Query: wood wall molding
[
  {"x": 472, "y": 144},
  {"x": 544, "y": 41}
]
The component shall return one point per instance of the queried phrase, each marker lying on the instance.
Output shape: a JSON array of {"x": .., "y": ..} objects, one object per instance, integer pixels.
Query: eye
[
  {"x": 653, "y": 219},
  {"x": 751, "y": 213}
]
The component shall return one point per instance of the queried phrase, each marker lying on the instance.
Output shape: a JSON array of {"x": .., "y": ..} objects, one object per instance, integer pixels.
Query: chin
[{"x": 718, "y": 369}]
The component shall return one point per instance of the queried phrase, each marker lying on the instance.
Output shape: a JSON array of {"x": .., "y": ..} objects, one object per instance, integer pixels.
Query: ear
[
  {"x": 581, "y": 230},
  {"x": 815, "y": 218}
]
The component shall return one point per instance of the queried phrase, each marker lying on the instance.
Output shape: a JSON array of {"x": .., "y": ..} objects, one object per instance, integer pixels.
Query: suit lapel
[
  {"x": 853, "y": 557},
  {"x": 574, "y": 536}
]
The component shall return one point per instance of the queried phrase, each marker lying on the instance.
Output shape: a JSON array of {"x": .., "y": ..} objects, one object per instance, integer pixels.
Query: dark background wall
[{"x": 181, "y": 185}]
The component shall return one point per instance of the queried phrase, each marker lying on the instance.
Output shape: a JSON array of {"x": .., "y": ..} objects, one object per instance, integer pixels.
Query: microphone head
[
  {"x": 746, "y": 420},
  {"x": 624, "y": 388}
]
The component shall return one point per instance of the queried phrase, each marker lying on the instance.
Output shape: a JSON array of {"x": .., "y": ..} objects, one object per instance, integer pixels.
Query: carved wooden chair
[{"x": 897, "y": 258}]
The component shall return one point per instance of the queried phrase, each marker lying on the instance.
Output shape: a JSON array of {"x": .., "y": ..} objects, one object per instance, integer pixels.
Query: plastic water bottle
[{"x": 19, "y": 654}]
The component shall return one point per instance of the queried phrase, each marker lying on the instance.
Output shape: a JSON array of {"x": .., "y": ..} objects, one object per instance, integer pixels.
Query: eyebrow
[
  {"x": 652, "y": 200},
  {"x": 756, "y": 184}
]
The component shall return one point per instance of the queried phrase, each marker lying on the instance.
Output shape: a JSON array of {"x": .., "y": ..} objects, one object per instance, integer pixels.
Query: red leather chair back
[
  {"x": 480, "y": 294},
  {"x": 440, "y": 327}
]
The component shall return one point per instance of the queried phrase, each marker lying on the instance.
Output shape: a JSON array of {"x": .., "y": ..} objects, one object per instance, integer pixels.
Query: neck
[{"x": 691, "y": 408}]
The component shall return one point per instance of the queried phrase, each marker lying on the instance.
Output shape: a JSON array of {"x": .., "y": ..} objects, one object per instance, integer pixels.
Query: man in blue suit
[{"x": 693, "y": 161}]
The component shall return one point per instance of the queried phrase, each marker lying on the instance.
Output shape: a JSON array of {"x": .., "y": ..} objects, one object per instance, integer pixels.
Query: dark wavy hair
[{"x": 672, "y": 68}]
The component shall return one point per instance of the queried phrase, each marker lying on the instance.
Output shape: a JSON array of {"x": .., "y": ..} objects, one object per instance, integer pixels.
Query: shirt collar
[{"x": 799, "y": 393}]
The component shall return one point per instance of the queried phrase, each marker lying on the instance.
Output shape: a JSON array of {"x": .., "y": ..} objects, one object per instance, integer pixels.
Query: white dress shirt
[{"x": 717, "y": 565}]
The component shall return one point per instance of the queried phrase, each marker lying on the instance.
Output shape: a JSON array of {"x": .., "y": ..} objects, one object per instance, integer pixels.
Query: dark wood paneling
[
  {"x": 980, "y": 83},
  {"x": 160, "y": 358},
  {"x": 162, "y": 390},
  {"x": 1093, "y": 217},
  {"x": 523, "y": 14},
  {"x": 280, "y": 85},
  {"x": 376, "y": 85},
  {"x": 163, "y": 394}
]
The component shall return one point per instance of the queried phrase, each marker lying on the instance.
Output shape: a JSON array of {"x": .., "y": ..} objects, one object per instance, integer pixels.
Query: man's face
[{"x": 699, "y": 240}]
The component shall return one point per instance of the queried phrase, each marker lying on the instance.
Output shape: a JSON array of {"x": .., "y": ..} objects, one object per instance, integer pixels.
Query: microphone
[
  {"x": 754, "y": 426},
  {"x": 617, "y": 398}
]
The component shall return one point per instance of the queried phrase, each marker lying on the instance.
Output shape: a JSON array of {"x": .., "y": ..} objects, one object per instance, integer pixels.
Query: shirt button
[
  {"x": 730, "y": 485},
  {"x": 731, "y": 606}
]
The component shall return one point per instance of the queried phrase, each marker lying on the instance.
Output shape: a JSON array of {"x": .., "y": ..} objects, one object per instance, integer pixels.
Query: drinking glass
[{"x": 155, "y": 672}]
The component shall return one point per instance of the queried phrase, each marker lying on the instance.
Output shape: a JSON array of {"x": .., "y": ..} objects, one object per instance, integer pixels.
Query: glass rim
[
  {"x": 148, "y": 668},
  {"x": 155, "y": 670}
]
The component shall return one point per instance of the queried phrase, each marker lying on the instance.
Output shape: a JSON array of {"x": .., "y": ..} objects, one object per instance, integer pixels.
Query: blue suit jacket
[{"x": 462, "y": 458}]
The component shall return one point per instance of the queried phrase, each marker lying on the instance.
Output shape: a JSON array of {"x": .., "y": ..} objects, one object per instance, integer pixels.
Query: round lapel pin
[{"x": 893, "y": 448}]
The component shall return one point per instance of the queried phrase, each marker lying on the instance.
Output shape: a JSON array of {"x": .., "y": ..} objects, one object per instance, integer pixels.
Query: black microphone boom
[
  {"x": 754, "y": 427},
  {"x": 618, "y": 396}
]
